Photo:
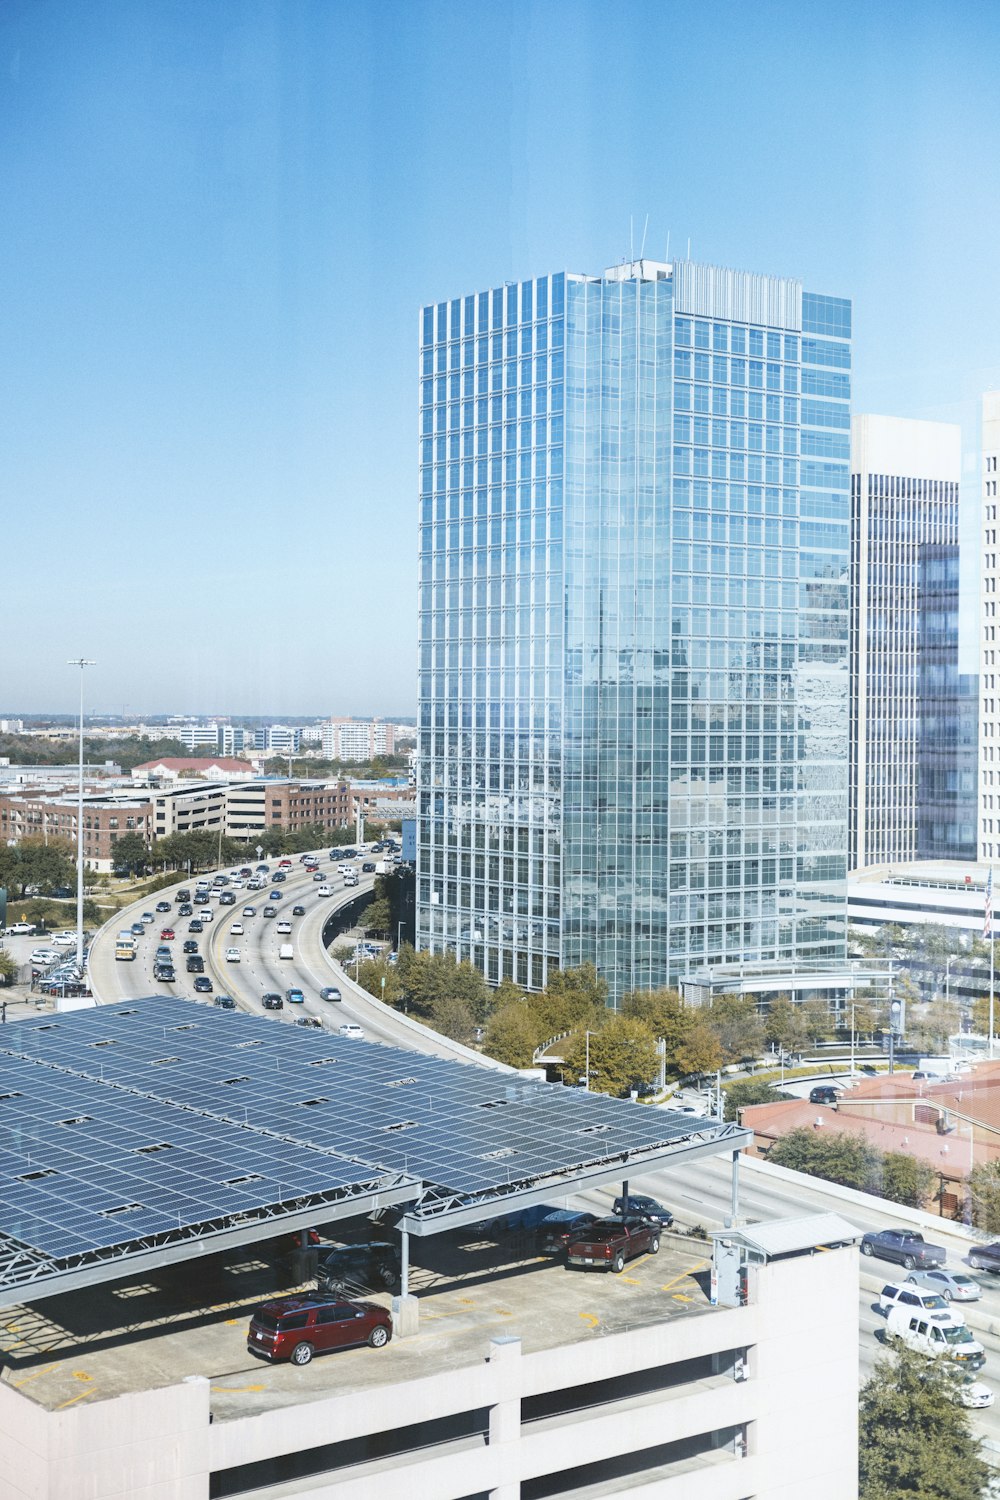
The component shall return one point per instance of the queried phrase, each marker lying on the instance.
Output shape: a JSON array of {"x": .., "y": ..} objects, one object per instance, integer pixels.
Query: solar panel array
[{"x": 152, "y": 1115}]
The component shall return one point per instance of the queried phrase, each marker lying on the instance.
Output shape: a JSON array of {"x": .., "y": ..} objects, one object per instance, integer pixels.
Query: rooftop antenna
[{"x": 642, "y": 247}]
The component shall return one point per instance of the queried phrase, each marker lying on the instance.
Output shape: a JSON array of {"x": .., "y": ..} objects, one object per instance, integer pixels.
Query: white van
[
  {"x": 935, "y": 1334},
  {"x": 286, "y": 951}
]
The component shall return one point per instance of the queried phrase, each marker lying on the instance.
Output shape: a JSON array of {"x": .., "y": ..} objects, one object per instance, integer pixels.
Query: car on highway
[
  {"x": 294, "y": 996},
  {"x": 644, "y": 1208},
  {"x": 985, "y": 1257},
  {"x": 907, "y": 1247},
  {"x": 249, "y": 911},
  {"x": 196, "y": 925},
  {"x": 368, "y": 868},
  {"x": 324, "y": 890},
  {"x": 270, "y": 911},
  {"x": 206, "y": 914},
  {"x": 974, "y": 1394},
  {"x": 330, "y": 992},
  {"x": 319, "y": 875},
  {"x": 147, "y": 918},
  {"x": 278, "y": 878},
  {"x": 939, "y": 1335},
  {"x": 164, "y": 954},
  {"x": 298, "y": 911},
  {"x": 195, "y": 964},
  {"x": 296, "y": 1328},
  {"x": 227, "y": 898},
  {"x": 236, "y": 929},
  {"x": 352, "y": 1030},
  {"x": 163, "y": 906},
  {"x": 309, "y": 1021},
  {"x": 164, "y": 973},
  {"x": 203, "y": 985},
  {"x": 233, "y": 956},
  {"x": 190, "y": 945},
  {"x": 183, "y": 895},
  {"x": 284, "y": 926},
  {"x": 274, "y": 895},
  {"x": 167, "y": 935},
  {"x": 954, "y": 1286},
  {"x": 225, "y": 1002},
  {"x": 137, "y": 929},
  {"x": 271, "y": 1001},
  {"x": 902, "y": 1294},
  {"x": 284, "y": 864},
  {"x": 185, "y": 909}
]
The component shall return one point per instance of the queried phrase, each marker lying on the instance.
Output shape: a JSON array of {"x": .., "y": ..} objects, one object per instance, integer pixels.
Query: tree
[
  {"x": 735, "y": 1021},
  {"x": 512, "y": 1035},
  {"x": 914, "y": 1437},
  {"x": 572, "y": 998},
  {"x": 816, "y": 1019},
  {"x": 452, "y": 1017},
  {"x": 36, "y": 865},
  {"x": 664, "y": 1012},
  {"x": 905, "y": 1180},
  {"x": 622, "y": 1056},
  {"x": 984, "y": 1190},
  {"x": 8, "y": 967},
  {"x": 751, "y": 1091},
  {"x": 370, "y": 975},
  {"x": 784, "y": 1025},
  {"x": 830, "y": 1154},
  {"x": 700, "y": 1050},
  {"x": 130, "y": 855},
  {"x": 377, "y": 917},
  {"x": 428, "y": 978}
]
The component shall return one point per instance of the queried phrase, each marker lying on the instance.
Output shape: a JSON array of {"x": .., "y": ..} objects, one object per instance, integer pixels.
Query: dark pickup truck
[
  {"x": 906, "y": 1247},
  {"x": 608, "y": 1243}
]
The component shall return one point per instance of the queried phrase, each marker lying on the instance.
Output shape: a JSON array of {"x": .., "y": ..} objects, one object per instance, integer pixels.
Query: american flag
[{"x": 988, "y": 909}]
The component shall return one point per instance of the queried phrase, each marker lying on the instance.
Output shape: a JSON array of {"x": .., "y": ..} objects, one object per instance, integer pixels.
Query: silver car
[{"x": 954, "y": 1286}]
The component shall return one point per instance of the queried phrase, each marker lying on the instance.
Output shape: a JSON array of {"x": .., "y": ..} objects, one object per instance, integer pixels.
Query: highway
[{"x": 260, "y": 970}]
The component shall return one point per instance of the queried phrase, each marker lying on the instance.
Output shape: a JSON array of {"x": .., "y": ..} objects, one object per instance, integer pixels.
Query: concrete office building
[
  {"x": 904, "y": 494},
  {"x": 358, "y": 739},
  {"x": 633, "y": 682},
  {"x": 989, "y": 679}
]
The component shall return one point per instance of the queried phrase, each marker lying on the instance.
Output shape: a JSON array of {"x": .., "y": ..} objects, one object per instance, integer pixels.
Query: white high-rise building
[
  {"x": 989, "y": 591},
  {"x": 904, "y": 494},
  {"x": 358, "y": 739}
]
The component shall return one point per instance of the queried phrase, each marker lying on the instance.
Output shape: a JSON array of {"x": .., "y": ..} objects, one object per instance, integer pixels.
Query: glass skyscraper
[{"x": 633, "y": 676}]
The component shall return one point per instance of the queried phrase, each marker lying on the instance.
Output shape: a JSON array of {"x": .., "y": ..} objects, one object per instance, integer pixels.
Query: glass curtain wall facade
[
  {"x": 633, "y": 710},
  {"x": 948, "y": 717}
]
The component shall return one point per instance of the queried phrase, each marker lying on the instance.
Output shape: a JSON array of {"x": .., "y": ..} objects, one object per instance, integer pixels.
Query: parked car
[
  {"x": 271, "y": 1001},
  {"x": 45, "y": 956},
  {"x": 358, "y": 1267},
  {"x": 903, "y": 1294},
  {"x": 985, "y": 1257},
  {"x": 330, "y": 992},
  {"x": 954, "y": 1286},
  {"x": 203, "y": 985},
  {"x": 608, "y": 1243},
  {"x": 296, "y": 1328},
  {"x": 559, "y": 1228},
  {"x": 907, "y": 1247},
  {"x": 645, "y": 1208}
]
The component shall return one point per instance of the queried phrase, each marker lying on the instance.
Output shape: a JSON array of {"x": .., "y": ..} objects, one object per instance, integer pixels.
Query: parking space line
[
  {"x": 48, "y": 1370},
  {"x": 698, "y": 1266}
]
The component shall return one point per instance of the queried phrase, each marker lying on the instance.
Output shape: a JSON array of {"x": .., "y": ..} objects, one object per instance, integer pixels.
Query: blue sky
[{"x": 219, "y": 220}]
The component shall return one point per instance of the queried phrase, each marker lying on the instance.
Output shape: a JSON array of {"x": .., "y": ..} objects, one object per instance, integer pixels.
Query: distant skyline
[{"x": 220, "y": 223}]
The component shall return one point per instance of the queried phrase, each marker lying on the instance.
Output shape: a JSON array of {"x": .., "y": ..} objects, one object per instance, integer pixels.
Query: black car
[
  {"x": 368, "y": 868},
  {"x": 278, "y": 877},
  {"x": 185, "y": 909},
  {"x": 308, "y": 1021},
  {"x": 272, "y": 1002},
  {"x": 985, "y": 1257},
  {"x": 298, "y": 911},
  {"x": 195, "y": 926},
  {"x": 203, "y": 985},
  {"x": 164, "y": 973},
  {"x": 183, "y": 895},
  {"x": 190, "y": 945},
  {"x": 224, "y": 1002},
  {"x": 366, "y": 1267},
  {"x": 646, "y": 1208},
  {"x": 558, "y": 1228},
  {"x": 163, "y": 906},
  {"x": 823, "y": 1093},
  {"x": 907, "y": 1247},
  {"x": 195, "y": 963}
]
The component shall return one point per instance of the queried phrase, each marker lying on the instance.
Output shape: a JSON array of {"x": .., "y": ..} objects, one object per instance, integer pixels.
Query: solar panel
[{"x": 145, "y": 1118}]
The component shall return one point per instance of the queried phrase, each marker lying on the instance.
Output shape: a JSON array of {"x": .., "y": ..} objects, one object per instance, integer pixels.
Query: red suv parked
[{"x": 296, "y": 1328}]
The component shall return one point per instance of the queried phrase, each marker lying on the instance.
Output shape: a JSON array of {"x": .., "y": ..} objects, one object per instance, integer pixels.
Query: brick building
[{"x": 34, "y": 815}]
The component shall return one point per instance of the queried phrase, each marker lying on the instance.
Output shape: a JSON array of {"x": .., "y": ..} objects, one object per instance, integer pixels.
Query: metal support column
[
  {"x": 735, "y": 1201},
  {"x": 404, "y": 1261}
]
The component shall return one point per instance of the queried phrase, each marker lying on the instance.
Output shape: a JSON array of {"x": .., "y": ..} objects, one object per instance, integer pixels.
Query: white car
[
  {"x": 45, "y": 955},
  {"x": 323, "y": 890},
  {"x": 232, "y": 955},
  {"x": 975, "y": 1394},
  {"x": 350, "y": 1029},
  {"x": 237, "y": 929},
  {"x": 206, "y": 914},
  {"x": 65, "y": 940}
]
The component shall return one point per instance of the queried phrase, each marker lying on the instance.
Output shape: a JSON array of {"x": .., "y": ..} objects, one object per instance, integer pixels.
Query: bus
[{"x": 125, "y": 947}]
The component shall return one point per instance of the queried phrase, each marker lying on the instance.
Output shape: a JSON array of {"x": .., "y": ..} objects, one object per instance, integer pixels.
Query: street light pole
[
  {"x": 80, "y": 662},
  {"x": 586, "y": 1067},
  {"x": 399, "y": 936}
]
